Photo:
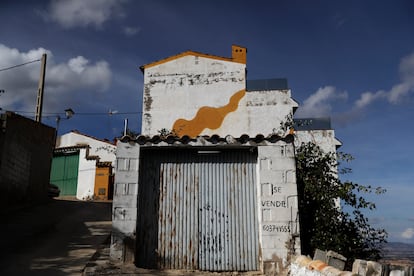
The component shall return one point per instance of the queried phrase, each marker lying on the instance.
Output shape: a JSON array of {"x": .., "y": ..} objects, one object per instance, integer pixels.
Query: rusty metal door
[
  {"x": 228, "y": 236},
  {"x": 207, "y": 215}
]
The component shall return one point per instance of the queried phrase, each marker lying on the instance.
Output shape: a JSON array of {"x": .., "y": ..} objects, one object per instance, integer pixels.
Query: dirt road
[{"x": 56, "y": 238}]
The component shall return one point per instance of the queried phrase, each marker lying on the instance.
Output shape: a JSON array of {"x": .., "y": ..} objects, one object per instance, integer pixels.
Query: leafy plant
[
  {"x": 164, "y": 132},
  {"x": 331, "y": 211},
  {"x": 129, "y": 132}
]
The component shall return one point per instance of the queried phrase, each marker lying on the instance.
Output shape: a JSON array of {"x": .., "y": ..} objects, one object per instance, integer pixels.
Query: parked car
[{"x": 53, "y": 190}]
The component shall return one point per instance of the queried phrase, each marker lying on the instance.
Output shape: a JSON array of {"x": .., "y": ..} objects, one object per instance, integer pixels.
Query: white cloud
[
  {"x": 78, "y": 64},
  {"x": 81, "y": 13},
  {"x": 398, "y": 92},
  {"x": 368, "y": 97},
  {"x": 319, "y": 103},
  {"x": 408, "y": 233},
  {"x": 78, "y": 74},
  {"x": 65, "y": 82},
  {"x": 407, "y": 69},
  {"x": 131, "y": 31}
]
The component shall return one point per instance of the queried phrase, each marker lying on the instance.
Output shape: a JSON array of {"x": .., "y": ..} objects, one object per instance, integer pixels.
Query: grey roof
[
  {"x": 208, "y": 140},
  {"x": 267, "y": 84},
  {"x": 312, "y": 123}
]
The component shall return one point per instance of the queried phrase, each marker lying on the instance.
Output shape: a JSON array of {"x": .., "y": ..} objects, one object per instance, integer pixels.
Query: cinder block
[
  {"x": 320, "y": 255},
  {"x": 331, "y": 258},
  {"x": 336, "y": 260},
  {"x": 269, "y": 268}
]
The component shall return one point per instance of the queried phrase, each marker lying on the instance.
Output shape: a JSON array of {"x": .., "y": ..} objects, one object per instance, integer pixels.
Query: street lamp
[{"x": 68, "y": 113}]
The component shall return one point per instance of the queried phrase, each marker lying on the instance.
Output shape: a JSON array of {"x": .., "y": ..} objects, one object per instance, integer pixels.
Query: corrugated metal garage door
[{"x": 206, "y": 210}]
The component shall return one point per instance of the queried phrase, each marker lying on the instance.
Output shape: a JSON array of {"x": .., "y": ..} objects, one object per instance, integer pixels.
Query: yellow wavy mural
[{"x": 207, "y": 117}]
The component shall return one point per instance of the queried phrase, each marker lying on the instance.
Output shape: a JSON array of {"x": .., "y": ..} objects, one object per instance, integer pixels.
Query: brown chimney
[{"x": 238, "y": 54}]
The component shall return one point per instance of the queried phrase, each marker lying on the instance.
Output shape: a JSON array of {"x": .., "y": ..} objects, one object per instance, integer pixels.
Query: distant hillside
[{"x": 398, "y": 252}]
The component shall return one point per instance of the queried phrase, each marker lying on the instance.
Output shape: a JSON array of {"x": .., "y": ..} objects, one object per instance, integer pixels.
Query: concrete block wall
[
  {"x": 278, "y": 205},
  {"x": 124, "y": 205},
  {"x": 26, "y": 149}
]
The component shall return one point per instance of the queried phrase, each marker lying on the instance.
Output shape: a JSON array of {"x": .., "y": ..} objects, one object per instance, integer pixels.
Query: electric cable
[{"x": 18, "y": 65}]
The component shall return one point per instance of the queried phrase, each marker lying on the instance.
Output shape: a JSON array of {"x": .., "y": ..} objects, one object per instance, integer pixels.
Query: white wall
[
  {"x": 105, "y": 150},
  {"x": 325, "y": 139},
  {"x": 186, "y": 87},
  {"x": 179, "y": 88},
  {"x": 86, "y": 177},
  {"x": 87, "y": 167}
]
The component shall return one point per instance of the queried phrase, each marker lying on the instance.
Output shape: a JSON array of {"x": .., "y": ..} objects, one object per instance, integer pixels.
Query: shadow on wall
[{"x": 26, "y": 150}]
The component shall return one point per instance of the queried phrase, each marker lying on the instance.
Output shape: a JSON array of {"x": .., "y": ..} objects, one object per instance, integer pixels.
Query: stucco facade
[
  {"x": 201, "y": 103},
  {"x": 196, "y": 94}
]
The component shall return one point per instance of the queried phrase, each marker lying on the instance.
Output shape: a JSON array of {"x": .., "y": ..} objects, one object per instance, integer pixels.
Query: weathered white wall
[
  {"x": 184, "y": 88},
  {"x": 105, "y": 150},
  {"x": 325, "y": 139},
  {"x": 278, "y": 205},
  {"x": 179, "y": 88},
  {"x": 86, "y": 176},
  {"x": 194, "y": 89}
]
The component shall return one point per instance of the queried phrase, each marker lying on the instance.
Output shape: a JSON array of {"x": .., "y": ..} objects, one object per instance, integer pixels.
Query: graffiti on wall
[{"x": 207, "y": 117}]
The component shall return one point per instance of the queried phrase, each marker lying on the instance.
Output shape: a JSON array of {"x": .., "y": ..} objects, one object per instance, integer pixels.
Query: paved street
[{"x": 55, "y": 238}]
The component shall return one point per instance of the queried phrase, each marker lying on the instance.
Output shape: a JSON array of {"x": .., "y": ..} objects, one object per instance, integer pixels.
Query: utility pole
[{"x": 39, "y": 104}]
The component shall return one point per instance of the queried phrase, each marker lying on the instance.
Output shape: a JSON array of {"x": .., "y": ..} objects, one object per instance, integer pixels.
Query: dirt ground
[{"x": 56, "y": 238}]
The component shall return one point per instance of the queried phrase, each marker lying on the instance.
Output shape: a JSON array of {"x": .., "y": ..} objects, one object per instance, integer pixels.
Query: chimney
[{"x": 238, "y": 54}]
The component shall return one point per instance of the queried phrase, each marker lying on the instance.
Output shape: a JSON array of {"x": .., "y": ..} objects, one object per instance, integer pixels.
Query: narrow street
[{"x": 55, "y": 238}]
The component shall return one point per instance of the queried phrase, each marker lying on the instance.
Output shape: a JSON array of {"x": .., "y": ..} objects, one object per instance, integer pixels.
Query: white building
[
  {"x": 104, "y": 149},
  {"x": 82, "y": 166},
  {"x": 317, "y": 131},
  {"x": 211, "y": 182}
]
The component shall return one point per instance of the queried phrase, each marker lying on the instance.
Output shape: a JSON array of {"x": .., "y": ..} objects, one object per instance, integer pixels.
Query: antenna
[{"x": 125, "y": 126}]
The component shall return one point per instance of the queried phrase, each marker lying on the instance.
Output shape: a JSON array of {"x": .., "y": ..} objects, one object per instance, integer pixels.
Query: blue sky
[{"x": 351, "y": 60}]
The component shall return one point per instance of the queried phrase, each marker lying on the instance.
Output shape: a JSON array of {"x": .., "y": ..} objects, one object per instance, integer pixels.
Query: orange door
[{"x": 102, "y": 183}]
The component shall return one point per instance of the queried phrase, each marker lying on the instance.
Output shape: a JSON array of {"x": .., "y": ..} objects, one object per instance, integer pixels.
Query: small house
[
  {"x": 83, "y": 166},
  {"x": 210, "y": 184}
]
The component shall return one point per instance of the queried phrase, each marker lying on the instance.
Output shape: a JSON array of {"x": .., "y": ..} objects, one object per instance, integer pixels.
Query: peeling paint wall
[
  {"x": 179, "y": 88},
  {"x": 325, "y": 139},
  {"x": 195, "y": 95},
  {"x": 198, "y": 95}
]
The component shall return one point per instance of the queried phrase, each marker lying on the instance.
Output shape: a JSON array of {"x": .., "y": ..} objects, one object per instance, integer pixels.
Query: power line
[
  {"x": 18, "y": 65},
  {"x": 80, "y": 113}
]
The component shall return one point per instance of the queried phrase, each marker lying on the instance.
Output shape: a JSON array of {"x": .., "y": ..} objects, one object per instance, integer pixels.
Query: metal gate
[
  {"x": 64, "y": 173},
  {"x": 197, "y": 210}
]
